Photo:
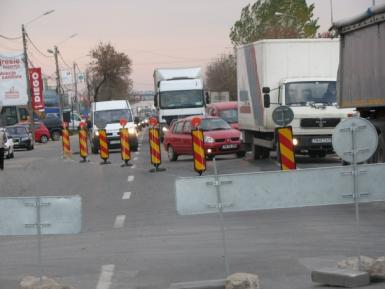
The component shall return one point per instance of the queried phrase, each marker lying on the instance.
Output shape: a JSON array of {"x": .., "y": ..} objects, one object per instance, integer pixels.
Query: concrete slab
[
  {"x": 205, "y": 284},
  {"x": 340, "y": 277}
]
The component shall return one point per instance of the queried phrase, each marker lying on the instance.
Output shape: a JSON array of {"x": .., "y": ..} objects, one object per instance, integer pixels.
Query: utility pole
[
  {"x": 30, "y": 107},
  {"x": 58, "y": 82},
  {"x": 76, "y": 89},
  {"x": 331, "y": 12}
]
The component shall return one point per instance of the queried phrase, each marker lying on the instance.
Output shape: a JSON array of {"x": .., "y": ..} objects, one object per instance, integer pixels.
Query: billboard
[
  {"x": 13, "y": 82},
  {"x": 36, "y": 84}
]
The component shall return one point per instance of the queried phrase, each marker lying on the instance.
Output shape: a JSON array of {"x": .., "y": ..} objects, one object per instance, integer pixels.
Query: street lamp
[{"x": 24, "y": 35}]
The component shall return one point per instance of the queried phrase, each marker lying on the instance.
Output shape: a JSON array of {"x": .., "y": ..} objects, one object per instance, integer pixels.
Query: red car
[
  {"x": 41, "y": 131},
  {"x": 219, "y": 138},
  {"x": 226, "y": 110}
]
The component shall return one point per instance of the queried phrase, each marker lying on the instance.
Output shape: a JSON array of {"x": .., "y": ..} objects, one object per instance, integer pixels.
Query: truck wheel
[
  {"x": 379, "y": 155},
  {"x": 265, "y": 153},
  {"x": 257, "y": 152},
  {"x": 241, "y": 154}
]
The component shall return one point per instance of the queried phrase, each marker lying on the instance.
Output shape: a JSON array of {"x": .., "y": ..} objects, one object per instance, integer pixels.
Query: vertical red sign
[{"x": 36, "y": 83}]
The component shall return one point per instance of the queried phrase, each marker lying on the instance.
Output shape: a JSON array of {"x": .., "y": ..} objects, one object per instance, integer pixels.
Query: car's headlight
[
  {"x": 165, "y": 129},
  {"x": 209, "y": 139},
  {"x": 295, "y": 141},
  {"x": 132, "y": 130},
  {"x": 96, "y": 132}
]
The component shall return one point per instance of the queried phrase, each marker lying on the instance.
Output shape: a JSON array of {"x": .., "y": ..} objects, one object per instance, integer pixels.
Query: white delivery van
[
  {"x": 300, "y": 73},
  {"x": 107, "y": 115}
]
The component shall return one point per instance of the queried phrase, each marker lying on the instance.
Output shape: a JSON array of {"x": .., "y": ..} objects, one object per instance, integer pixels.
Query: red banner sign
[{"x": 36, "y": 83}]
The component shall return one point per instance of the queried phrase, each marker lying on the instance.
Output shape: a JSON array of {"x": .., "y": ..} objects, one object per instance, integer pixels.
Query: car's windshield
[
  {"x": 229, "y": 115},
  {"x": 18, "y": 130},
  {"x": 181, "y": 99},
  {"x": 214, "y": 124},
  {"x": 104, "y": 117},
  {"x": 303, "y": 93}
]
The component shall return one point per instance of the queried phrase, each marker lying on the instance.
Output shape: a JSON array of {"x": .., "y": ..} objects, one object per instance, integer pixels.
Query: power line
[
  {"x": 10, "y": 38},
  {"x": 62, "y": 59},
  {"x": 37, "y": 49}
]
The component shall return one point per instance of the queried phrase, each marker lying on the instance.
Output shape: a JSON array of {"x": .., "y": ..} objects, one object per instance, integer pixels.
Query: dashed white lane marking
[
  {"x": 130, "y": 178},
  {"x": 119, "y": 221},
  {"x": 133, "y": 166},
  {"x": 126, "y": 196},
  {"x": 105, "y": 276},
  {"x": 135, "y": 158}
]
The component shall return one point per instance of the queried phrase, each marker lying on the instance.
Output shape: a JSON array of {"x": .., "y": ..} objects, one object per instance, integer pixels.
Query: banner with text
[
  {"x": 36, "y": 84},
  {"x": 13, "y": 82}
]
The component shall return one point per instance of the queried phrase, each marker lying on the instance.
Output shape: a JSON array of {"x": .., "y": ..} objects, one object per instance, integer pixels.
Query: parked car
[
  {"x": 21, "y": 137},
  {"x": 219, "y": 138},
  {"x": 54, "y": 125},
  {"x": 225, "y": 110},
  {"x": 9, "y": 151},
  {"x": 42, "y": 134}
]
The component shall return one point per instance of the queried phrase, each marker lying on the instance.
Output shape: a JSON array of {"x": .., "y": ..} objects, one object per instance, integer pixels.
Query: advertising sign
[
  {"x": 13, "y": 83},
  {"x": 36, "y": 84}
]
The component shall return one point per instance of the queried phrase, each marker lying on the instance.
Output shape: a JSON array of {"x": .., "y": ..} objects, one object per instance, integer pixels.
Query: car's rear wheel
[
  {"x": 44, "y": 139},
  {"x": 172, "y": 156},
  {"x": 55, "y": 135}
]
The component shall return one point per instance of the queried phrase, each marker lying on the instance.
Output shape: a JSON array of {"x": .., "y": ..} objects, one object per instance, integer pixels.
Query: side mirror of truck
[
  {"x": 266, "y": 96},
  {"x": 155, "y": 101},
  {"x": 207, "y": 97}
]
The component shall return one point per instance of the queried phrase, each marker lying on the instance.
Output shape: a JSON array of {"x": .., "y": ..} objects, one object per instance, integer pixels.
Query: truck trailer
[
  {"x": 361, "y": 76},
  {"x": 299, "y": 73}
]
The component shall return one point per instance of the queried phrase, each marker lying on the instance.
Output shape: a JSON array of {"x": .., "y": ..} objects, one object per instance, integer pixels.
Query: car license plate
[
  {"x": 229, "y": 146},
  {"x": 321, "y": 140},
  {"x": 115, "y": 142}
]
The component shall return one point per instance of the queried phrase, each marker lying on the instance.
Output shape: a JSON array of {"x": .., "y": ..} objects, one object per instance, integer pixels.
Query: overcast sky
[{"x": 153, "y": 33}]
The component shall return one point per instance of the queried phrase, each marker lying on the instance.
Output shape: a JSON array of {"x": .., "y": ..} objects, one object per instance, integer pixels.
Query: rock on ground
[
  {"x": 377, "y": 270},
  {"x": 351, "y": 263},
  {"x": 31, "y": 282},
  {"x": 242, "y": 281}
]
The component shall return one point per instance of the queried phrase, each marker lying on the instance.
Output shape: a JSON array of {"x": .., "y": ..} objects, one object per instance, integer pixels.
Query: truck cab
[
  {"x": 316, "y": 113},
  {"x": 179, "y": 93}
]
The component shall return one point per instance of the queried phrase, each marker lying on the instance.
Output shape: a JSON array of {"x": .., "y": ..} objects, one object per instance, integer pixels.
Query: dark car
[
  {"x": 21, "y": 137},
  {"x": 54, "y": 126}
]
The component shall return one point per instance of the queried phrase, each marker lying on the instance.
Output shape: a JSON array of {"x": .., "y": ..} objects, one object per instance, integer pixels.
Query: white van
[{"x": 107, "y": 115}]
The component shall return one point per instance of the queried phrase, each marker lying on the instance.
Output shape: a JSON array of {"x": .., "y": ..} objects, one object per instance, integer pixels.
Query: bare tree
[
  {"x": 109, "y": 73},
  {"x": 221, "y": 75}
]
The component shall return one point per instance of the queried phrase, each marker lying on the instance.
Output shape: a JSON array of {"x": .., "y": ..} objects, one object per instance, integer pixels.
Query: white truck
[
  {"x": 178, "y": 94},
  {"x": 300, "y": 73}
]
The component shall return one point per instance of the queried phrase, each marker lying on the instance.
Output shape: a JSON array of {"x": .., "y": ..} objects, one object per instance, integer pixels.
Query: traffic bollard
[
  {"x": 66, "y": 143},
  {"x": 156, "y": 158},
  {"x": 286, "y": 148},
  {"x": 125, "y": 147},
  {"x": 198, "y": 151},
  {"x": 83, "y": 145},
  {"x": 103, "y": 146}
]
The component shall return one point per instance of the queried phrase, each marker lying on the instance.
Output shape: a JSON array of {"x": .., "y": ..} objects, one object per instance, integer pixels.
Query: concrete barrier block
[
  {"x": 340, "y": 277},
  {"x": 205, "y": 284}
]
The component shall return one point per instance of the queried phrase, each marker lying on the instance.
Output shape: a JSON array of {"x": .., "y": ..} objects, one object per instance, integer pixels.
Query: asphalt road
[{"x": 132, "y": 236}]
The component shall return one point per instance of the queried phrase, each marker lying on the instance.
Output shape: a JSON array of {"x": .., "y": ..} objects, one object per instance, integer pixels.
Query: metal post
[
  {"x": 221, "y": 219},
  {"x": 38, "y": 223},
  {"x": 356, "y": 195},
  {"x": 58, "y": 82},
  {"x": 30, "y": 107}
]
